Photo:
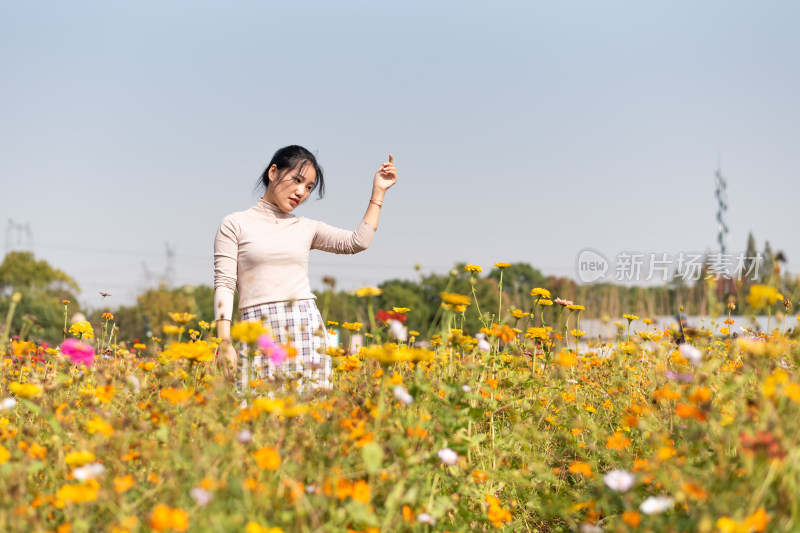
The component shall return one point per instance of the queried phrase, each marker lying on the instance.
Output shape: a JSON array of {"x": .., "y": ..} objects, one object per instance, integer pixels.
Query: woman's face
[{"x": 288, "y": 190}]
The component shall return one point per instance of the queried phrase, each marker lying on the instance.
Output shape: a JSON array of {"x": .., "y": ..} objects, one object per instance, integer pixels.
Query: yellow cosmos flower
[
  {"x": 352, "y": 326},
  {"x": 630, "y": 317},
  {"x": 365, "y": 292},
  {"x": 576, "y": 307},
  {"x": 79, "y": 458},
  {"x": 474, "y": 269},
  {"x": 182, "y": 318},
  {"x": 762, "y": 296},
  {"x": 452, "y": 298},
  {"x": 82, "y": 328},
  {"x": 24, "y": 390},
  {"x": 538, "y": 291},
  {"x": 577, "y": 332},
  {"x": 502, "y": 265},
  {"x": 391, "y": 353},
  {"x": 194, "y": 351},
  {"x": 79, "y": 492},
  {"x": 248, "y": 332},
  {"x": 519, "y": 313}
]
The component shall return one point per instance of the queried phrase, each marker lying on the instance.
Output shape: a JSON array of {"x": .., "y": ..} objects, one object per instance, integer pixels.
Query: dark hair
[{"x": 294, "y": 157}]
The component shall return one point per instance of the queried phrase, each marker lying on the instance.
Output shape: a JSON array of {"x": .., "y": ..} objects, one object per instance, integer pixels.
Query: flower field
[{"x": 524, "y": 425}]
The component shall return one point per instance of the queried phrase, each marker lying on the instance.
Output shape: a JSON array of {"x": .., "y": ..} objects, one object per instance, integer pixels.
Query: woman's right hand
[{"x": 227, "y": 358}]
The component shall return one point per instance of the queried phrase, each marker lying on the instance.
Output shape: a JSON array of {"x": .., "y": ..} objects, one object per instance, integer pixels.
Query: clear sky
[{"x": 522, "y": 131}]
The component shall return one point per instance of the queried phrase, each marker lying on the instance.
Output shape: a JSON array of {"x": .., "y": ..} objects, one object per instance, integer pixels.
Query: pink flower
[
  {"x": 276, "y": 353},
  {"x": 77, "y": 351},
  {"x": 563, "y": 302}
]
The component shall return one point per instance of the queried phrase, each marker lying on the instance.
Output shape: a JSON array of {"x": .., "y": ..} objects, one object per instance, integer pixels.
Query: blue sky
[{"x": 522, "y": 131}]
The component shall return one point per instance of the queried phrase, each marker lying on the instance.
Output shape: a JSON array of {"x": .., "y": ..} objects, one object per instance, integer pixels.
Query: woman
[{"x": 263, "y": 252}]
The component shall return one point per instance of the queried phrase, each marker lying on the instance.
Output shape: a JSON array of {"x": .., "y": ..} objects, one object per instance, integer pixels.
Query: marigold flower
[
  {"x": 107, "y": 316},
  {"x": 576, "y": 307},
  {"x": 544, "y": 302},
  {"x": 519, "y": 313},
  {"x": 194, "y": 351},
  {"x": 502, "y": 265},
  {"x": 391, "y": 353},
  {"x": 352, "y": 326},
  {"x": 83, "y": 329},
  {"x": 474, "y": 269},
  {"x": 361, "y": 492}
]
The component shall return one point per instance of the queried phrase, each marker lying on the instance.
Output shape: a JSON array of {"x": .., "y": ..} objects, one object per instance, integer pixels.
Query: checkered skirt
[{"x": 300, "y": 323}]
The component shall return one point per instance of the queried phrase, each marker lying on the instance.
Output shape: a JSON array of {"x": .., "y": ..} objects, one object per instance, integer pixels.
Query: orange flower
[
  {"x": 618, "y": 441},
  {"x": 689, "y": 411},
  {"x": 361, "y": 492},
  {"x": 164, "y": 518},
  {"x": 176, "y": 396},
  {"x": 700, "y": 395},
  {"x": 579, "y": 467},
  {"x": 758, "y": 520},
  {"x": 567, "y": 359},
  {"x": 267, "y": 458},
  {"x": 695, "y": 492},
  {"x": 479, "y": 476},
  {"x": 632, "y": 518},
  {"x": 344, "y": 488},
  {"x": 122, "y": 484}
]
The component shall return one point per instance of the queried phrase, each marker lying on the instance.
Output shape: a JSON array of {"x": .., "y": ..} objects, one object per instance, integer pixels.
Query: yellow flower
[
  {"x": 391, "y": 353},
  {"x": 502, "y": 265},
  {"x": 474, "y": 269},
  {"x": 82, "y": 328},
  {"x": 194, "y": 351},
  {"x": 24, "y": 390},
  {"x": 364, "y": 292},
  {"x": 107, "y": 316},
  {"x": 579, "y": 467},
  {"x": 577, "y": 333},
  {"x": 538, "y": 291},
  {"x": 536, "y": 333},
  {"x": 79, "y": 492},
  {"x": 618, "y": 441},
  {"x": 203, "y": 325},
  {"x": 519, "y": 313},
  {"x": 630, "y": 317},
  {"x": 763, "y": 296},
  {"x": 352, "y": 326},
  {"x": 267, "y": 458},
  {"x": 4, "y": 454},
  {"x": 567, "y": 359},
  {"x": 182, "y": 318},
  {"x": 172, "y": 329},
  {"x": 248, "y": 332},
  {"x": 576, "y": 307},
  {"x": 255, "y": 527},
  {"x": 545, "y": 302},
  {"x": 79, "y": 458},
  {"x": 361, "y": 492},
  {"x": 452, "y": 298},
  {"x": 98, "y": 425},
  {"x": 124, "y": 483},
  {"x": 176, "y": 396},
  {"x": 105, "y": 394},
  {"x": 401, "y": 310}
]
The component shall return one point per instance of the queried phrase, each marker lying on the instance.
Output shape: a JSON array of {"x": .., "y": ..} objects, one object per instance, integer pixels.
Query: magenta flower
[
  {"x": 77, "y": 351},
  {"x": 276, "y": 353}
]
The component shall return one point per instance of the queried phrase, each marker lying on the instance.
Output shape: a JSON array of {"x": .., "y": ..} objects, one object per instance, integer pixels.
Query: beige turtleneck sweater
[{"x": 264, "y": 253}]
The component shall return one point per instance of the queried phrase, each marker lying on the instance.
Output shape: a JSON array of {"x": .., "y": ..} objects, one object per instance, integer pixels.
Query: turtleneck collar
[{"x": 273, "y": 209}]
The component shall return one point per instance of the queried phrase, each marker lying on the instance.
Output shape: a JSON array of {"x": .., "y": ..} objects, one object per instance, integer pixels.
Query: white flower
[
  {"x": 691, "y": 354},
  {"x": 402, "y": 395},
  {"x": 88, "y": 471},
  {"x": 590, "y": 528},
  {"x": 397, "y": 330},
  {"x": 465, "y": 388},
  {"x": 8, "y": 403},
  {"x": 619, "y": 480},
  {"x": 133, "y": 381},
  {"x": 425, "y": 518},
  {"x": 656, "y": 504},
  {"x": 201, "y": 496},
  {"x": 483, "y": 344},
  {"x": 244, "y": 436},
  {"x": 448, "y": 456},
  {"x": 311, "y": 489}
]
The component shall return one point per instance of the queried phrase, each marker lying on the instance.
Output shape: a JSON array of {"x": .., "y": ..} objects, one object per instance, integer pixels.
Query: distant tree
[
  {"x": 518, "y": 280},
  {"x": 43, "y": 288}
]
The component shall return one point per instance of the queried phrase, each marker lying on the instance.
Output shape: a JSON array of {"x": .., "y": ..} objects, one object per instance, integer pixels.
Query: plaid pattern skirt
[{"x": 300, "y": 324}]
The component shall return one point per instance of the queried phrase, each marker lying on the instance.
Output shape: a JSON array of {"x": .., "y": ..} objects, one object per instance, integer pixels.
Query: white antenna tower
[
  {"x": 23, "y": 232},
  {"x": 722, "y": 208}
]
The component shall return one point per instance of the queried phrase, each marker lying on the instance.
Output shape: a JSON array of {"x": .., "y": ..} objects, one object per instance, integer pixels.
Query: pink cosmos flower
[
  {"x": 276, "y": 353},
  {"x": 563, "y": 302},
  {"x": 78, "y": 352}
]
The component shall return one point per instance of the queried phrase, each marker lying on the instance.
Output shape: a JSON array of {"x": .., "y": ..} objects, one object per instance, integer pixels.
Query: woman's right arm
[{"x": 226, "y": 253}]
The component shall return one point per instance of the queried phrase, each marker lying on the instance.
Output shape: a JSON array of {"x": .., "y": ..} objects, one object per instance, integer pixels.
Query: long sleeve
[
  {"x": 226, "y": 253},
  {"x": 340, "y": 241}
]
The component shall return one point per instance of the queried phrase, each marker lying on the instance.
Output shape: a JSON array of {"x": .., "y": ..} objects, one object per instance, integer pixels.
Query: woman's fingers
[{"x": 391, "y": 158}]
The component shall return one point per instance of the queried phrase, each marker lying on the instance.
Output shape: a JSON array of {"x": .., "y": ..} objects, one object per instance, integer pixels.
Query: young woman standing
[{"x": 263, "y": 253}]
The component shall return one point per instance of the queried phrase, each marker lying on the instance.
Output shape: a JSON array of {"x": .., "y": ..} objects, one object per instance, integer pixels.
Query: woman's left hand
[{"x": 386, "y": 176}]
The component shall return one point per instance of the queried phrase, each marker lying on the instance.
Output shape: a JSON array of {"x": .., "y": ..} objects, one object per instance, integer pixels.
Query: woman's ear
[{"x": 273, "y": 173}]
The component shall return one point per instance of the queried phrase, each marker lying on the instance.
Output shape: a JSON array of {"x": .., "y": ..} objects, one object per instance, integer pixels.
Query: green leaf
[{"x": 373, "y": 457}]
